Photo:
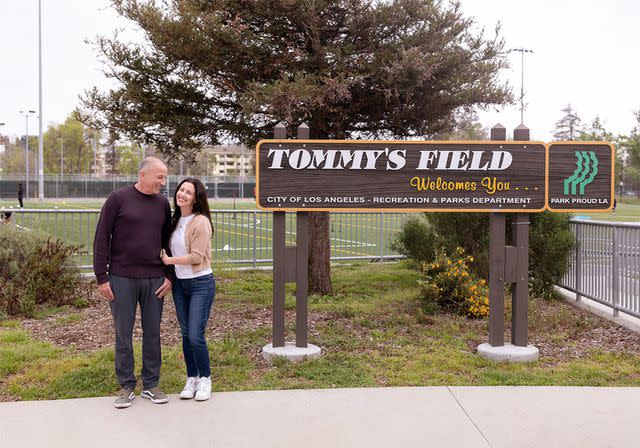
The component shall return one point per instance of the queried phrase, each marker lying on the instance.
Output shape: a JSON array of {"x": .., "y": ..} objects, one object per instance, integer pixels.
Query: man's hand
[
  {"x": 166, "y": 259},
  {"x": 105, "y": 291},
  {"x": 164, "y": 288}
]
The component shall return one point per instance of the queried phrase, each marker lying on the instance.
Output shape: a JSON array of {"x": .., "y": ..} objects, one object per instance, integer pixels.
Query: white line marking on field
[{"x": 224, "y": 225}]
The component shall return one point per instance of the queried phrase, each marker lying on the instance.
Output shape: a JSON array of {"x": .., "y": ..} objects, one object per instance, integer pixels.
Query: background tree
[
  {"x": 596, "y": 132},
  {"x": 629, "y": 146},
  {"x": 76, "y": 147},
  {"x": 129, "y": 158},
  {"x": 209, "y": 71},
  {"x": 13, "y": 158},
  {"x": 471, "y": 131},
  {"x": 568, "y": 127}
]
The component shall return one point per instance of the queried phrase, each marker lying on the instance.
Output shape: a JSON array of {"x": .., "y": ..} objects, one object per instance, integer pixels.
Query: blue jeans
[{"x": 193, "y": 298}]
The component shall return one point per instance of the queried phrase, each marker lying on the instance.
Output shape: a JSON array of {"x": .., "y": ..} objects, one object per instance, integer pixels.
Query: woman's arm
[
  {"x": 185, "y": 259},
  {"x": 200, "y": 242}
]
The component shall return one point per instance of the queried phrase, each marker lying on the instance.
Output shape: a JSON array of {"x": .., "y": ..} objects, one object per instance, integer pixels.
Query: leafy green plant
[
  {"x": 35, "y": 269},
  {"x": 550, "y": 243}
]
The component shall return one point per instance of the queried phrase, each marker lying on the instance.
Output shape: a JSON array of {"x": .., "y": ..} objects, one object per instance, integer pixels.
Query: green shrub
[
  {"x": 415, "y": 241},
  {"x": 550, "y": 243},
  {"x": 35, "y": 269},
  {"x": 448, "y": 283}
]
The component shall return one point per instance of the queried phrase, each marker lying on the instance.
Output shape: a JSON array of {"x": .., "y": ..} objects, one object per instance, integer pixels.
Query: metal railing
[
  {"x": 605, "y": 265},
  {"x": 241, "y": 237}
]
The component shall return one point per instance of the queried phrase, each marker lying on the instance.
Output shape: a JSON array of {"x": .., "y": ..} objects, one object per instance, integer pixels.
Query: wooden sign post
[{"x": 497, "y": 177}]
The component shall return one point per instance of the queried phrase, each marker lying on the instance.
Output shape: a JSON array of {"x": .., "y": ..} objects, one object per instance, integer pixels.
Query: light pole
[
  {"x": 61, "y": 160},
  {"x": 522, "y": 51},
  {"x": 40, "y": 139},
  {"x": 25, "y": 114}
]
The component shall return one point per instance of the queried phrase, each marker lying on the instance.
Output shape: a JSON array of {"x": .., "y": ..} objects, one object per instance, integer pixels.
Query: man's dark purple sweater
[{"x": 132, "y": 229}]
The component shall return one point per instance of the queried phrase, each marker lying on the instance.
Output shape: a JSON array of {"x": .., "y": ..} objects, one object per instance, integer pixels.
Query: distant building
[{"x": 230, "y": 160}]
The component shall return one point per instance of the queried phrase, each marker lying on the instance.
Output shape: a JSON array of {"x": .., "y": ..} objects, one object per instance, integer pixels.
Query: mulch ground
[{"x": 94, "y": 329}]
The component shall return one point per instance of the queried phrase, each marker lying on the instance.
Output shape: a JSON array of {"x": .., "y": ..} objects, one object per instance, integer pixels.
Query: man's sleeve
[
  {"x": 102, "y": 238},
  {"x": 169, "y": 270}
]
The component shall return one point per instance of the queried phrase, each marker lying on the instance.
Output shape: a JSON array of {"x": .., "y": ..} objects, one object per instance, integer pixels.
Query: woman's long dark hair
[{"x": 200, "y": 206}]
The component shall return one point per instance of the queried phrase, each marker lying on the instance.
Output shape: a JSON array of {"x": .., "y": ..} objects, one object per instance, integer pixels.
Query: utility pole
[
  {"x": 95, "y": 162},
  {"x": 61, "y": 161},
  {"x": 522, "y": 51},
  {"x": 25, "y": 114},
  {"x": 40, "y": 139}
]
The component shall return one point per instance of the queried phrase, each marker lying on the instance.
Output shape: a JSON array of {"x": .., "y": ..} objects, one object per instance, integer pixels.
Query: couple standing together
[{"x": 140, "y": 252}]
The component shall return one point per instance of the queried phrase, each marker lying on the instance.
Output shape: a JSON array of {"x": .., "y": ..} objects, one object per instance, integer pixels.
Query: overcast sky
[{"x": 586, "y": 53}]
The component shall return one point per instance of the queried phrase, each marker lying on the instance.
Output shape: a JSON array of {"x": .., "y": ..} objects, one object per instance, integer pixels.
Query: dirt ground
[{"x": 91, "y": 328}]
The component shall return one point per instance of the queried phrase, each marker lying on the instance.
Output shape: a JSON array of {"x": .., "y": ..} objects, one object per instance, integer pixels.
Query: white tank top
[{"x": 179, "y": 249}]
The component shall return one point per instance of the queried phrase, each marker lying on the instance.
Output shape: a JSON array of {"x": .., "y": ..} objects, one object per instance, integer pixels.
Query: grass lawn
[
  {"x": 628, "y": 210},
  {"x": 236, "y": 232},
  {"x": 371, "y": 332}
]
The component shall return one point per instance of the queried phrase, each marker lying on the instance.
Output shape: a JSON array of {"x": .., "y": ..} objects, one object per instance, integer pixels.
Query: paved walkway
[{"x": 378, "y": 417}]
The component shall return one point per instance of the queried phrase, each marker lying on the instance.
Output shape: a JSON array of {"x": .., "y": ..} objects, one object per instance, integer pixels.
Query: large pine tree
[{"x": 210, "y": 70}]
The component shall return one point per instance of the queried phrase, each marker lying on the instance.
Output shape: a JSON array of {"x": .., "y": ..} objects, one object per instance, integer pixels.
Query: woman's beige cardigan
[{"x": 197, "y": 239}]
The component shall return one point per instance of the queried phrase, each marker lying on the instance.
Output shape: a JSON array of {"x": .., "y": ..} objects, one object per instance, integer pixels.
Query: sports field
[{"x": 242, "y": 235}]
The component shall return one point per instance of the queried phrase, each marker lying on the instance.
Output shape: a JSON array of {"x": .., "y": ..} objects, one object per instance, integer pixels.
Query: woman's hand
[{"x": 165, "y": 258}]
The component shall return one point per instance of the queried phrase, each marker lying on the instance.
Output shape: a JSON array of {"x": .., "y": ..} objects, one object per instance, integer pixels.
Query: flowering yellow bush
[{"x": 448, "y": 283}]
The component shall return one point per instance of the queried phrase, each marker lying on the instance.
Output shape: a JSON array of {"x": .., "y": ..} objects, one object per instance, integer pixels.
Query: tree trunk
[{"x": 319, "y": 254}]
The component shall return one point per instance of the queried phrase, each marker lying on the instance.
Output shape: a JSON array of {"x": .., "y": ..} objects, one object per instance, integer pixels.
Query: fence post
[
  {"x": 615, "y": 272},
  {"x": 279, "y": 247},
  {"x": 255, "y": 217},
  {"x": 520, "y": 292},
  {"x": 578, "y": 271},
  {"x": 381, "y": 237},
  {"x": 496, "y": 263},
  {"x": 302, "y": 265}
]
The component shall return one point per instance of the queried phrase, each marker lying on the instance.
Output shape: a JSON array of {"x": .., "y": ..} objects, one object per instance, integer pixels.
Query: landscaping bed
[{"x": 371, "y": 331}]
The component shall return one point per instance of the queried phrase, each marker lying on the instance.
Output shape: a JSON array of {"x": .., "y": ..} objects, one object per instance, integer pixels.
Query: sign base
[
  {"x": 290, "y": 352},
  {"x": 508, "y": 352}
]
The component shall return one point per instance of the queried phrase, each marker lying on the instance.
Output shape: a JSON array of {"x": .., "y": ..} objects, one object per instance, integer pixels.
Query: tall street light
[
  {"x": 40, "y": 139},
  {"x": 26, "y": 114},
  {"x": 61, "y": 160},
  {"x": 522, "y": 52}
]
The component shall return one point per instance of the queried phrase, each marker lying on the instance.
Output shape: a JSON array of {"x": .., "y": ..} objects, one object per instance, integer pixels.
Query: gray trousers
[{"x": 128, "y": 293}]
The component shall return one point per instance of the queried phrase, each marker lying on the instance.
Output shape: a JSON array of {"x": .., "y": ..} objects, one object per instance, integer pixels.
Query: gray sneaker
[
  {"x": 155, "y": 394},
  {"x": 124, "y": 398}
]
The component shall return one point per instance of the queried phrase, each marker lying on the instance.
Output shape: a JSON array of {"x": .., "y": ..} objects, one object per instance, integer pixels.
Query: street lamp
[
  {"x": 61, "y": 160},
  {"x": 26, "y": 115},
  {"x": 40, "y": 138},
  {"x": 522, "y": 51}
]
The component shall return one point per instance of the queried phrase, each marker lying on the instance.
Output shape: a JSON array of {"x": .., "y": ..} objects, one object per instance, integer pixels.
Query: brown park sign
[
  {"x": 580, "y": 176},
  {"x": 332, "y": 175}
]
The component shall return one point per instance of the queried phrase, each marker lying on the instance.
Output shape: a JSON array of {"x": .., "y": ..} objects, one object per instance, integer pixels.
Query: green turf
[
  {"x": 371, "y": 332},
  {"x": 236, "y": 232},
  {"x": 239, "y": 230}
]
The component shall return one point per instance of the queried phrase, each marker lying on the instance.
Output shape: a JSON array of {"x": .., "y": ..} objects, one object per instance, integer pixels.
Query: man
[
  {"x": 134, "y": 226},
  {"x": 20, "y": 195}
]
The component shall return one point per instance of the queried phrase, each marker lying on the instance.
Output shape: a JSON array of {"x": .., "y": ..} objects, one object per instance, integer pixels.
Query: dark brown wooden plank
[
  {"x": 302, "y": 285},
  {"x": 278, "y": 278}
]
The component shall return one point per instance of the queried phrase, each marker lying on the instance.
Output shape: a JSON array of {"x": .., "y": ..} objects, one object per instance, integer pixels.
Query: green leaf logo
[{"x": 586, "y": 170}]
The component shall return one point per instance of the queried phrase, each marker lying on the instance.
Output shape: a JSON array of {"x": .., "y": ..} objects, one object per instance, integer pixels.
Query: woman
[{"x": 194, "y": 288}]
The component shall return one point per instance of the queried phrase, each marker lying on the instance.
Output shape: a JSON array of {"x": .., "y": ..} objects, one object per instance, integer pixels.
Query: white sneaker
[
  {"x": 190, "y": 388},
  {"x": 203, "y": 392}
]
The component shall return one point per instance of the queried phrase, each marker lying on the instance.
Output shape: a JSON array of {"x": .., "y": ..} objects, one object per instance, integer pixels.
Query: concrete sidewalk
[{"x": 377, "y": 417}]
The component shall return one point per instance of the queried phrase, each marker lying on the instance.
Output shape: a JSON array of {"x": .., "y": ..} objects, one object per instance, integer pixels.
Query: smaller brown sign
[{"x": 580, "y": 177}]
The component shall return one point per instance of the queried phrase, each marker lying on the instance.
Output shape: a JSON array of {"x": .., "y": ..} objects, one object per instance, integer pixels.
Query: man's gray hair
[{"x": 148, "y": 162}]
